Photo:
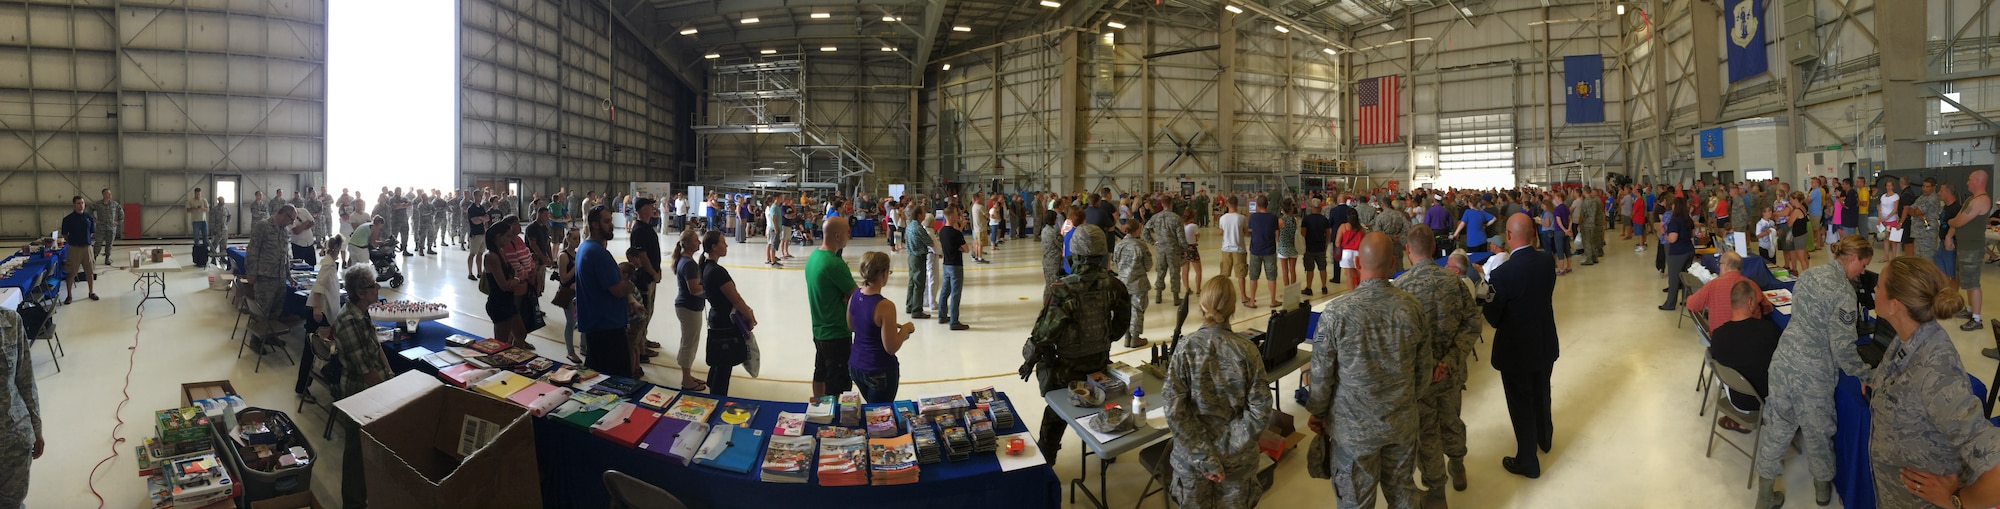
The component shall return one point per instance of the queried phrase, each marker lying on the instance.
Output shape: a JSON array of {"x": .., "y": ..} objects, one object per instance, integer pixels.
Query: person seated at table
[
  {"x": 1745, "y": 344},
  {"x": 1216, "y": 406},
  {"x": 363, "y": 365},
  {"x": 1929, "y": 442},
  {"x": 1815, "y": 349},
  {"x": 1713, "y": 299}
]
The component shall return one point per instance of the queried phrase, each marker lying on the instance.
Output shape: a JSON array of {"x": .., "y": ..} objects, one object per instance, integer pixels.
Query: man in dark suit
[{"x": 1524, "y": 342}]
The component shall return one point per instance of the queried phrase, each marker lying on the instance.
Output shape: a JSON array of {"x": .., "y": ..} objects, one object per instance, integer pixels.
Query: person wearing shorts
[
  {"x": 1232, "y": 243},
  {"x": 77, "y": 229}
]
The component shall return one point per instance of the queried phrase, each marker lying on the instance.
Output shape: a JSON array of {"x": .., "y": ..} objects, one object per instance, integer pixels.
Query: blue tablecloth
[
  {"x": 36, "y": 269},
  {"x": 236, "y": 260},
  {"x": 1756, "y": 269},
  {"x": 864, "y": 228},
  {"x": 573, "y": 463},
  {"x": 1853, "y": 477}
]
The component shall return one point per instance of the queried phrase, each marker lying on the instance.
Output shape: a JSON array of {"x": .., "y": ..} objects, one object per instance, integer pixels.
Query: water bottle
[{"x": 1138, "y": 402}]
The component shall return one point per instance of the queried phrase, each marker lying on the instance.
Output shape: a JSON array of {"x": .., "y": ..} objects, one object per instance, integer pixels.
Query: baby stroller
[{"x": 383, "y": 256}]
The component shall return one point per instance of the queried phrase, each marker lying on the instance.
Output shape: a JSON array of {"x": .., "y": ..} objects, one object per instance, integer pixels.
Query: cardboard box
[
  {"x": 300, "y": 500},
  {"x": 181, "y": 425},
  {"x": 205, "y": 390},
  {"x": 430, "y": 445}
]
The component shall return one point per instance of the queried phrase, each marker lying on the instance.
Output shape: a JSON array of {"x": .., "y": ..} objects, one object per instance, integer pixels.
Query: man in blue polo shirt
[{"x": 600, "y": 300}]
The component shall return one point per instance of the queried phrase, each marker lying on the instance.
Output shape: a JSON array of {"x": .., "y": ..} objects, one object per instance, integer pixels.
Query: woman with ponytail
[
  {"x": 729, "y": 319},
  {"x": 687, "y": 306},
  {"x": 1815, "y": 349},
  {"x": 1929, "y": 441}
]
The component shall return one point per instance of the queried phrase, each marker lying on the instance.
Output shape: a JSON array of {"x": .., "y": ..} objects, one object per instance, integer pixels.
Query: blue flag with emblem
[
  {"x": 1583, "y": 99},
  {"x": 1747, "y": 54},
  {"x": 1711, "y": 143}
]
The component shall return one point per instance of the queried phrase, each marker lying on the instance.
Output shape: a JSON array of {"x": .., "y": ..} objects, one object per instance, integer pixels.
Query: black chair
[
  {"x": 38, "y": 323},
  {"x": 322, "y": 348},
  {"x": 1156, "y": 460},
  {"x": 628, "y": 492},
  {"x": 1689, "y": 285},
  {"x": 1703, "y": 376},
  {"x": 1991, "y": 389}
]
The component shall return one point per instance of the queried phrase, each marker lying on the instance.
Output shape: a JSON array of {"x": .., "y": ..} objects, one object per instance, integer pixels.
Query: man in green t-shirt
[{"x": 828, "y": 285}]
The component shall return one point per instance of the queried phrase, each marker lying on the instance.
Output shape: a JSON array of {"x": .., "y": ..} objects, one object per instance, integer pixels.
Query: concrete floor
[{"x": 1621, "y": 390}]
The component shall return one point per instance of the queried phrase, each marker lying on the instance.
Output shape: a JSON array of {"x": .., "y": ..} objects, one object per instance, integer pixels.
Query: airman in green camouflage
[
  {"x": 1216, "y": 406},
  {"x": 1072, "y": 336},
  {"x": 1454, "y": 327},
  {"x": 1132, "y": 261},
  {"x": 1371, "y": 365}
]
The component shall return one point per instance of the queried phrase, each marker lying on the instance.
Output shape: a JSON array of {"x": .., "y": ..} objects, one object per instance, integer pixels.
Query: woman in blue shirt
[{"x": 1677, "y": 234}]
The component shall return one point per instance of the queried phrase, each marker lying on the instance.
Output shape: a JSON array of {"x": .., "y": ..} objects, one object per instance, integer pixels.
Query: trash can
[{"x": 263, "y": 477}]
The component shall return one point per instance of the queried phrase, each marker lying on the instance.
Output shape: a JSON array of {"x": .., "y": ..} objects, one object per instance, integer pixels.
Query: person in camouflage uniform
[
  {"x": 1371, "y": 364},
  {"x": 312, "y": 202},
  {"x": 1454, "y": 327},
  {"x": 1216, "y": 407},
  {"x": 1132, "y": 261},
  {"x": 1072, "y": 336},
  {"x": 218, "y": 227},
  {"x": 454, "y": 219},
  {"x": 1926, "y": 221},
  {"x": 1392, "y": 222},
  {"x": 1923, "y": 415},
  {"x": 1052, "y": 249},
  {"x": 917, "y": 240},
  {"x": 441, "y": 223},
  {"x": 20, "y": 412},
  {"x": 259, "y": 208},
  {"x": 423, "y": 216},
  {"x": 1815, "y": 349},
  {"x": 1164, "y": 231},
  {"x": 1590, "y": 218},
  {"x": 110, "y": 216},
  {"x": 277, "y": 200},
  {"x": 399, "y": 219}
]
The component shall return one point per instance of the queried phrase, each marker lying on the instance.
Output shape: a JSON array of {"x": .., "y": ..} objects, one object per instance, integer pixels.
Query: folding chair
[
  {"x": 1155, "y": 459},
  {"x": 38, "y": 321},
  {"x": 1689, "y": 285},
  {"x": 1702, "y": 376},
  {"x": 1991, "y": 389},
  {"x": 628, "y": 492},
  {"x": 1730, "y": 378}
]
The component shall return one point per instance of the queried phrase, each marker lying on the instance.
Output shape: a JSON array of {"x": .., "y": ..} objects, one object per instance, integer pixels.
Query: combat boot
[
  {"x": 1822, "y": 492},
  {"x": 1434, "y": 498},
  {"x": 1768, "y": 496},
  {"x": 1456, "y": 466}
]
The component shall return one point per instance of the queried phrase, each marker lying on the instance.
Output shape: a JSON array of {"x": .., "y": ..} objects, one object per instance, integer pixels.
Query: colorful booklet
[
  {"x": 658, "y": 398},
  {"x": 882, "y": 422},
  {"x": 893, "y": 460},
  {"x": 736, "y": 413},
  {"x": 788, "y": 459},
  {"x": 843, "y": 462},
  {"x": 691, "y": 408},
  {"x": 790, "y": 424},
  {"x": 820, "y": 410}
]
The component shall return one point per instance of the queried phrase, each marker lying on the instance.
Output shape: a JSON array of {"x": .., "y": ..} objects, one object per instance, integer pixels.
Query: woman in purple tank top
[{"x": 872, "y": 362}]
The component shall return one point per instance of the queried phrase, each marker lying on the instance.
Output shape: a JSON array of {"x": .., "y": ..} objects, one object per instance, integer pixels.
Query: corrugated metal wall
[{"x": 152, "y": 98}]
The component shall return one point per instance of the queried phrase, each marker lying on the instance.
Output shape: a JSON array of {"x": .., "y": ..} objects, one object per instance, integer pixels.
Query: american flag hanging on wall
[{"x": 1378, "y": 110}]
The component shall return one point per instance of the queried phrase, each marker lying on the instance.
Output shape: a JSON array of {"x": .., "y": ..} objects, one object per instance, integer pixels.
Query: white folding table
[{"x": 153, "y": 277}]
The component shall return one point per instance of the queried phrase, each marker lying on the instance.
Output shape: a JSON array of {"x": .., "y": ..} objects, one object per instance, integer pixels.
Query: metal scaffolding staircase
[{"x": 765, "y": 95}]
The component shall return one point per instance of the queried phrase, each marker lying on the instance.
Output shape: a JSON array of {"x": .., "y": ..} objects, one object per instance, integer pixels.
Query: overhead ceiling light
[
  {"x": 769, "y": 52},
  {"x": 689, "y": 31},
  {"x": 1114, "y": 24},
  {"x": 1386, "y": 26},
  {"x": 888, "y": 48},
  {"x": 1330, "y": 51},
  {"x": 946, "y": 67},
  {"x": 822, "y": 15},
  {"x": 890, "y": 19},
  {"x": 828, "y": 48},
  {"x": 1051, "y": 4},
  {"x": 1282, "y": 29},
  {"x": 749, "y": 20},
  {"x": 1468, "y": 10},
  {"x": 712, "y": 56},
  {"x": 961, "y": 28},
  {"x": 1621, "y": 9},
  {"x": 1233, "y": 9}
]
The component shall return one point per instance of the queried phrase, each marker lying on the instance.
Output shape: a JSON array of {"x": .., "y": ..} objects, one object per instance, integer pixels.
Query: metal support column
[
  {"x": 1903, "y": 103},
  {"x": 1706, "y": 21},
  {"x": 1226, "y": 99},
  {"x": 1069, "y": 91}
]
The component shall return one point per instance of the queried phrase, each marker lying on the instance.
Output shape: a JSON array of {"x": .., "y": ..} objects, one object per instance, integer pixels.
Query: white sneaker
[{"x": 1639, "y": 249}]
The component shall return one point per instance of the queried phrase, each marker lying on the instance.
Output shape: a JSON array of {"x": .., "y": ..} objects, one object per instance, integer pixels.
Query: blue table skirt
[
  {"x": 236, "y": 260},
  {"x": 36, "y": 269},
  {"x": 573, "y": 463},
  {"x": 1853, "y": 477}
]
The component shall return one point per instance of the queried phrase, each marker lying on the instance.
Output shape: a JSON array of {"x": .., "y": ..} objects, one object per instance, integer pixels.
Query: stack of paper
[
  {"x": 843, "y": 462},
  {"x": 893, "y": 460},
  {"x": 788, "y": 459}
]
